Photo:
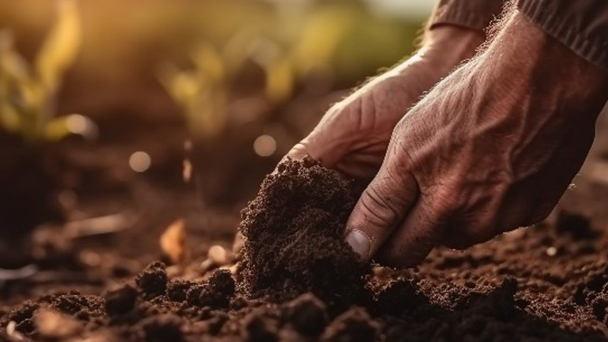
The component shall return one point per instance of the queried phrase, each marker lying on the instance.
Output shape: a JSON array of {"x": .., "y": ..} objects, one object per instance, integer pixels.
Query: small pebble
[
  {"x": 217, "y": 254},
  {"x": 53, "y": 325},
  {"x": 11, "y": 331},
  {"x": 207, "y": 265}
]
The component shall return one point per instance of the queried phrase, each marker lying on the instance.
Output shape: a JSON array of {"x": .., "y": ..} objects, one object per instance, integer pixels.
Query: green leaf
[
  {"x": 9, "y": 117},
  {"x": 12, "y": 66},
  {"x": 61, "y": 46},
  {"x": 209, "y": 62}
]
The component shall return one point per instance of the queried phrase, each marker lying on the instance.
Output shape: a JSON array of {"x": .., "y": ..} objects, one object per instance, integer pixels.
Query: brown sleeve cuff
[
  {"x": 581, "y": 25},
  {"x": 474, "y": 14}
]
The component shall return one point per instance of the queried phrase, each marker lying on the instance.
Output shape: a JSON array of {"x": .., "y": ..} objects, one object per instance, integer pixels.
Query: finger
[
  {"x": 382, "y": 206},
  {"x": 325, "y": 143},
  {"x": 415, "y": 238},
  {"x": 298, "y": 152}
]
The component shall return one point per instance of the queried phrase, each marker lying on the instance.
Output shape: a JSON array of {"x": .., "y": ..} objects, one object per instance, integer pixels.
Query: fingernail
[{"x": 359, "y": 242}]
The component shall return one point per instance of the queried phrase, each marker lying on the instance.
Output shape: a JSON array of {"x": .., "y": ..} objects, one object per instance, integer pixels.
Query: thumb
[
  {"x": 322, "y": 144},
  {"x": 383, "y": 205},
  {"x": 299, "y": 151}
]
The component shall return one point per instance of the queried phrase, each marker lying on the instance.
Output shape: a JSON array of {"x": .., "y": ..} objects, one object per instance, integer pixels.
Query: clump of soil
[
  {"x": 353, "y": 325},
  {"x": 294, "y": 236},
  {"x": 307, "y": 315},
  {"x": 153, "y": 280},
  {"x": 214, "y": 293},
  {"x": 120, "y": 301}
]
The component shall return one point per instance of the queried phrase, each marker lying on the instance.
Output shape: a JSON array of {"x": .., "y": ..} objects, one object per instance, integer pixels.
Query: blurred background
[{"x": 120, "y": 118}]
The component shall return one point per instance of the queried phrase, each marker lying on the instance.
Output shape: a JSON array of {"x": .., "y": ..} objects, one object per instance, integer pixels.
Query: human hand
[
  {"x": 491, "y": 148},
  {"x": 353, "y": 135}
]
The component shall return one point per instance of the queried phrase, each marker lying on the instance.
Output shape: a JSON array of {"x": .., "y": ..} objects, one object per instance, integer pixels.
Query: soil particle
[
  {"x": 77, "y": 305},
  {"x": 177, "y": 290},
  {"x": 152, "y": 282},
  {"x": 306, "y": 314},
  {"x": 399, "y": 297},
  {"x": 294, "y": 236},
  {"x": 120, "y": 301},
  {"x": 577, "y": 226},
  {"x": 216, "y": 292},
  {"x": 162, "y": 328},
  {"x": 215, "y": 323},
  {"x": 23, "y": 317},
  {"x": 353, "y": 325},
  {"x": 260, "y": 329}
]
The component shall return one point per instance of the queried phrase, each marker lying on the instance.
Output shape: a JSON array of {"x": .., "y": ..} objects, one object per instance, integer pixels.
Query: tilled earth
[{"x": 296, "y": 280}]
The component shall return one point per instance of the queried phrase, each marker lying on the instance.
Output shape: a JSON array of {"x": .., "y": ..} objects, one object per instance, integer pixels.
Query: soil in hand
[{"x": 294, "y": 236}]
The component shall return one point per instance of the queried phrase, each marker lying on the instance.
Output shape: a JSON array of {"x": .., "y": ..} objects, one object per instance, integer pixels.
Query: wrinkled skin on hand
[
  {"x": 353, "y": 135},
  {"x": 491, "y": 148}
]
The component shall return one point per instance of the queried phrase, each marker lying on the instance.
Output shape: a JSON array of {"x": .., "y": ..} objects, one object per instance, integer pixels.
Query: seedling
[
  {"x": 28, "y": 92},
  {"x": 203, "y": 91}
]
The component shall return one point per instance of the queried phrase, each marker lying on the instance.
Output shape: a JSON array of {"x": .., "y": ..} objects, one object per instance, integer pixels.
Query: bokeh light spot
[
  {"x": 140, "y": 161},
  {"x": 81, "y": 125},
  {"x": 265, "y": 145}
]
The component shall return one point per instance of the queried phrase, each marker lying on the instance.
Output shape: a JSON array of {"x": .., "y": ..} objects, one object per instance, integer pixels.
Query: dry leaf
[
  {"x": 173, "y": 242},
  {"x": 11, "y": 331},
  {"x": 187, "y": 171},
  {"x": 54, "y": 325},
  {"x": 217, "y": 254}
]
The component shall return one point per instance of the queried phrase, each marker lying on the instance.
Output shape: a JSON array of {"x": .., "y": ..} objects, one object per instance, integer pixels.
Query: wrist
[
  {"x": 522, "y": 56},
  {"x": 447, "y": 46}
]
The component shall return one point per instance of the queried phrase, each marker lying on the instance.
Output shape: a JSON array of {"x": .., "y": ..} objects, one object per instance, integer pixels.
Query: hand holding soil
[{"x": 491, "y": 148}]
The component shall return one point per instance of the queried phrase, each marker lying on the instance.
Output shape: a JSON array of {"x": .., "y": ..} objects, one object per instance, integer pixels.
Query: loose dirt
[{"x": 298, "y": 281}]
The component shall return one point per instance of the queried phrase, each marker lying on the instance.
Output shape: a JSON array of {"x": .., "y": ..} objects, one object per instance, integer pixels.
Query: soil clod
[
  {"x": 306, "y": 314},
  {"x": 353, "y": 325},
  {"x": 152, "y": 281},
  {"x": 121, "y": 300},
  {"x": 216, "y": 292}
]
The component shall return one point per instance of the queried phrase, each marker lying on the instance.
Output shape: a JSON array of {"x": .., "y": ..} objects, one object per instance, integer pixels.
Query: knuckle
[
  {"x": 444, "y": 200},
  {"x": 403, "y": 124}
]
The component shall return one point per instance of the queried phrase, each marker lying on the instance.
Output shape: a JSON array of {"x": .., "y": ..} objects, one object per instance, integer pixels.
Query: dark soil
[
  {"x": 294, "y": 237},
  {"x": 299, "y": 282},
  {"x": 29, "y": 173}
]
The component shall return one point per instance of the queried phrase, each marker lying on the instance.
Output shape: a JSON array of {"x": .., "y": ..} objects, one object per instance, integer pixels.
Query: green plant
[
  {"x": 203, "y": 91},
  {"x": 28, "y": 93},
  {"x": 296, "y": 45}
]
